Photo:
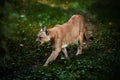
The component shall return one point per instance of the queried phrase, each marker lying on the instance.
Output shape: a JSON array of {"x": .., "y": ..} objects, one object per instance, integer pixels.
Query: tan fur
[{"x": 63, "y": 35}]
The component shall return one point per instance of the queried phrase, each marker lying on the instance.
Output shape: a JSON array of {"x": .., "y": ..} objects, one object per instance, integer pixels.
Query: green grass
[{"x": 22, "y": 58}]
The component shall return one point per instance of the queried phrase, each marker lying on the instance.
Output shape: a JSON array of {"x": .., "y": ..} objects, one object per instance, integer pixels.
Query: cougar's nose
[{"x": 37, "y": 40}]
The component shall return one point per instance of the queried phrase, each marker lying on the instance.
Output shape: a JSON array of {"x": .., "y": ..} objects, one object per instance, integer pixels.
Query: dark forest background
[{"x": 21, "y": 58}]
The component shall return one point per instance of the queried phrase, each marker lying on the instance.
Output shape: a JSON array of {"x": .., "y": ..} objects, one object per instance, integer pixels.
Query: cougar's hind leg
[
  {"x": 80, "y": 44},
  {"x": 86, "y": 43},
  {"x": 86, "y": 35}
]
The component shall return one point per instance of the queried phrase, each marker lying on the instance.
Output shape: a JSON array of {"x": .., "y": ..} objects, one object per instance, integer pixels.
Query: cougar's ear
[
  {"x": 43, "y": 28},
  {"x": 47, "y": 33}
]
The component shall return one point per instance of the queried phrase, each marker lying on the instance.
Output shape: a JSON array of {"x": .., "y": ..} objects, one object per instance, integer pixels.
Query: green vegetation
[{"x": 21, "y": 58}]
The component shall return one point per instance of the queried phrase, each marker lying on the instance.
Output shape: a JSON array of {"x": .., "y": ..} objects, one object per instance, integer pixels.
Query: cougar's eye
[{"x": 40, "y": 37}]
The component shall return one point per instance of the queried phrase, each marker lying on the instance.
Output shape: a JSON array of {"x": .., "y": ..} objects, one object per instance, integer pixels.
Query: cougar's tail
[{"x": 88, "y": 38}]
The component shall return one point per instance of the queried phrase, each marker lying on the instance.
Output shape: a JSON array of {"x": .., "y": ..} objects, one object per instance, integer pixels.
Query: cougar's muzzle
[{"x": 39, "y": 42}]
